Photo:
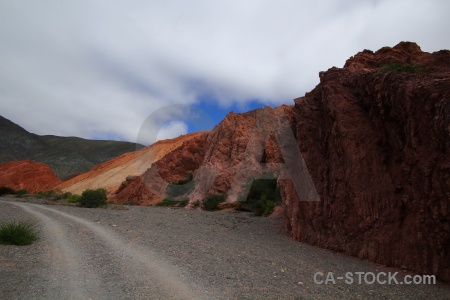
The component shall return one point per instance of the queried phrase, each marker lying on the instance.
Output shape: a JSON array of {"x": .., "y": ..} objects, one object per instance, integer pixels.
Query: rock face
[
  {"x": 375, "y": 136},
  {"x": 27, "y": 175},
  {"x": 236, "y": 149}
]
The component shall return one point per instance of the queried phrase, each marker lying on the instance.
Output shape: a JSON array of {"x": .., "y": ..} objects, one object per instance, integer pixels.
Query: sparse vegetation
[
  {"x": 18, "y": 233},
  {"x": 167, "y": 202},
  {"x": 262, "y": 198},
  {"x": 67, "y": 195},
  {"x": 73, "y": 198},
  {"x": 93, "y": 198},
  {"x": 51, "y": 194},
  {"x": 396, "y": 66},
  {"x": 4, "y": 190},
  {"x": 58, "y": 195},
  {"x": 21, "y": 192},
  {"x": 211, "y": 202},
  {"x": 184, "y": 202},
  {"x": 173, "y": 202}
]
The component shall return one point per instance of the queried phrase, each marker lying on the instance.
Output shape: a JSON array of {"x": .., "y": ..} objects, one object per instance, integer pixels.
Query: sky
[{"x": 107, "y": 69}]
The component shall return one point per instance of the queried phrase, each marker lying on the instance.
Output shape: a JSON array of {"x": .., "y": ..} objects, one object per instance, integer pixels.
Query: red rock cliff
[
  {"x": 27, "y": 175},
  {"x": 375, "y": 136}
]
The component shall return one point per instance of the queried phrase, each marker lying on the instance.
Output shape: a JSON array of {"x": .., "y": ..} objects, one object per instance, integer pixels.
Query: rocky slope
[
  {"x": 66, "y": 156},
  {"x": 27, "y": 175},
  {"x": 373, "y": 177},
  {"x": 109, "y": 175}
]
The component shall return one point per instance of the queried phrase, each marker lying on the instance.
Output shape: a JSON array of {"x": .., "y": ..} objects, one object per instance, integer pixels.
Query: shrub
[
  {"x": 4, "y": 190},
  {"x": 58, "y": 195},
  {"x": 21, "y": 192},
  {"x": 183, "y": 202},
  {"x": 268, "y": 207},
  {"x": 396, "y": 66},
  {"x": 73, "y": 198},
  {"x": 211, "y": 202},
  {"x": 18, "y": 233},
  {"x": 263, "y": 207},
  {"x": 9, "y": 191},
  {"x": 262, "y": 198},
  {"x": 167, "y": 202},
  {"x": 93, "y": 198},
  {"x": 45, "y": 194},
  {"x": 51, "y": 194},
  {"x": 67, "y": 195},
  {"x": 173, "y": 202}
]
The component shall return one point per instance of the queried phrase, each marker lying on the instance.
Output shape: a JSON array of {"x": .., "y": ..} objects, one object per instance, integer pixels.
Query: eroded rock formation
[{"x": 27, "y": 175}]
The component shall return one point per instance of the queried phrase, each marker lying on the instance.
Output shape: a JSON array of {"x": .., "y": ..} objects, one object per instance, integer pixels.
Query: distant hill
[{"x": 66, "y": 156}]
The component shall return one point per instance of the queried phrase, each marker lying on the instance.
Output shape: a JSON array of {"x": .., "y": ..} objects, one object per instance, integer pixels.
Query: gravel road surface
[{"x": 168, "y": 253}]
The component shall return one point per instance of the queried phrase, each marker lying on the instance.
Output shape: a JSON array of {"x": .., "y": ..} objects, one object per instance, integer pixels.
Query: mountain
[
  {"x": 365, "y": 160},
  {"x": 66, "y": 156},
  {"x": 16, "y": 143}
]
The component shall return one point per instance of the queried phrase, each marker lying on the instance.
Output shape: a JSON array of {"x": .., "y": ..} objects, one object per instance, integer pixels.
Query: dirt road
[
  {"x": 163, "y": 253},
  {"x": 87, "y": 261}
]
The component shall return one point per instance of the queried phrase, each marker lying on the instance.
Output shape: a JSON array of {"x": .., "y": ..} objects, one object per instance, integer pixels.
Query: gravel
[{"x": 132, "y": 252}]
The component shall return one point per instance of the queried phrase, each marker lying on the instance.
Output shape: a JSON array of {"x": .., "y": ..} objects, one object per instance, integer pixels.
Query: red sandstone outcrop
[
  {"x": 27, "y": 175},
  {"x": 377, "y": 145}
]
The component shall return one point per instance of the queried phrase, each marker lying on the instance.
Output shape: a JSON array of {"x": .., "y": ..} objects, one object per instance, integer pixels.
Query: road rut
[{"x": 78, "y": 247}]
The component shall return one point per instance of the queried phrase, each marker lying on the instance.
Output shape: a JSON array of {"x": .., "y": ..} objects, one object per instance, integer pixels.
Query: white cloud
[
  {"x": 93, "y": 68},
  {"x": 172, "y": 130},
  {"x": 171, "y": 121}
]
